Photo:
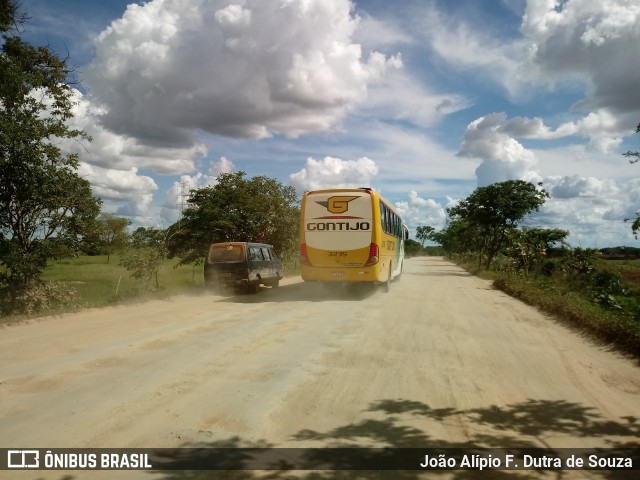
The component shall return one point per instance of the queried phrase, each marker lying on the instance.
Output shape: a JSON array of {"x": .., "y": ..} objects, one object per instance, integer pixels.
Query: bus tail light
[
  {"x": 374, "y": 255},
  {"x": 304, "y": 256}
]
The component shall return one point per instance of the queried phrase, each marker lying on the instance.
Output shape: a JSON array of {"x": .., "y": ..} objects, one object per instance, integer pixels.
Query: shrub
[
  {"x": 43, "y": 296},
  {"x": 578, "y": 267},
  {"x": 609, "y": 282}
]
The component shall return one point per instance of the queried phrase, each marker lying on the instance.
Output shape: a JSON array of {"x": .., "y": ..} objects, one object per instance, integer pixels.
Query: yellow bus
[{"x": 350, "y": 235}]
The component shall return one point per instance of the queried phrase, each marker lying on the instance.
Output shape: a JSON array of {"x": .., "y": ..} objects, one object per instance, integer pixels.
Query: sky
[{"x": 423, "y": 100}]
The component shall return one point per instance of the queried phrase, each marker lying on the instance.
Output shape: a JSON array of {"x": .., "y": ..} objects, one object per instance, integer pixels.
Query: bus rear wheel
[{"x": 387, "y": 285}]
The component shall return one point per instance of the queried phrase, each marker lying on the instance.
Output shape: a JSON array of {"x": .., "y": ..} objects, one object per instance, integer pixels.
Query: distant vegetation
[
  {"x": 415, "y": 249},
  {"x": 620, "y": 253},
  {"x": 595, "y": 291}
]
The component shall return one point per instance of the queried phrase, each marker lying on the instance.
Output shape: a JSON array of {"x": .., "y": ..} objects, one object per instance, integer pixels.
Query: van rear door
[{"x": 226, "y": 264}]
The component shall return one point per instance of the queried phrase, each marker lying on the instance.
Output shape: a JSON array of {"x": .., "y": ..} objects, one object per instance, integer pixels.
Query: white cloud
[
  {"x": 248, "y": 69},
  {"x": 224, "y": 165},
  {"x": 601, "y": 127},
  {"x": 119, "y": 151},
  {"x": 417, "y": 211},
  {"x": 592, "y": 40},
  {"x": 585, "y": 44},
  {"x": 333, "y": 172},
  {"x": 399, "y": 96},
  {"x": 592, "y": 209},
  {"x": 604, "y": 130},
  {"x": 586, "y": 187},
  {"x": 111, "y": 162},
  {"x": 125, "y": 191},
  {"x": 466, "y": 48},
  {"x": 493, "y": 139},
  {"x": 503, "y": 157},
  {"x": 377, "y": 33}
]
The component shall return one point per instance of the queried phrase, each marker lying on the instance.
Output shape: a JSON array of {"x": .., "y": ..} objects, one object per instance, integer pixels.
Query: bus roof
[
  {"x": 368, "y": 190},
  {"x": 325, "y": 190}
]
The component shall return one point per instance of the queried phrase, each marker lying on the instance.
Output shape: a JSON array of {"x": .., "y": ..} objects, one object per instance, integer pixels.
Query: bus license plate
[{"x": 337, "y": 274}]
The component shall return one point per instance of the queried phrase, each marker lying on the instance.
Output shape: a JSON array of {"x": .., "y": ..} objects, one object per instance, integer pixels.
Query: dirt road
[{"x": 442, "y": 360}]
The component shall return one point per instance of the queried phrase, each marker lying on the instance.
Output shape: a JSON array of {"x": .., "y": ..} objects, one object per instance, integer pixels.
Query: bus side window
[{"x": 387, "y": 214}]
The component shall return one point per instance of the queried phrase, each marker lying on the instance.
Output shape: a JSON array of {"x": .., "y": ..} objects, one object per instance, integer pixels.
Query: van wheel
[
  {"x": 276, "y": 283},
  {"x": 253, "y": 287}
]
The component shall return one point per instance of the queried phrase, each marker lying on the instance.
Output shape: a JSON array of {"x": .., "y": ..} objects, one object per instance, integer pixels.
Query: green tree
[
  {"x": 412, "y": 248},
  {"x": 259, "y": 209},
  {"x": 424, "y": 233},
  {"x": 45, "y": 206},
  {"x": 528, "y": 247},
  {"x": 146, "y": 254},
  {"x": 492, "y": 211},
  {"x": 458, "y": 237},
  {"x": 578, "y": 267},
  {"x": 112, "y": 233}
]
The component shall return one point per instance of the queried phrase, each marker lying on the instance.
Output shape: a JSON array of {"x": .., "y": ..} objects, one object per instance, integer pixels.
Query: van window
[
  {"x": 255, "y": 254},
  {"x": 226, "y": 253},
  {"x": 266, "y": 253}
]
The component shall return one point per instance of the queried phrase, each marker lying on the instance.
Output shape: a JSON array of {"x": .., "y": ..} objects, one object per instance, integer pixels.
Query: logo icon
[
  {"x": 23, "y": 459},
  {"x": 338, "y": 204}
]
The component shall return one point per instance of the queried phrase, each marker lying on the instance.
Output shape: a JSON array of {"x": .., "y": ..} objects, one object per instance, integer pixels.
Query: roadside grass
[
  {"x": 629, "y": 269},
  {"x": 97, "y": 283},
  {"x": 617, "y": 324}
]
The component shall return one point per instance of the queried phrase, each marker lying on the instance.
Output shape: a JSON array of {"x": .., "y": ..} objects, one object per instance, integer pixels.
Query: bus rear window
[{"x": 226, "y": 253}]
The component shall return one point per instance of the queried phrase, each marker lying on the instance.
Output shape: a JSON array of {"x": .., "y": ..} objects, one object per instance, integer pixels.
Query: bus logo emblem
[{"x": 337, "y": 204}]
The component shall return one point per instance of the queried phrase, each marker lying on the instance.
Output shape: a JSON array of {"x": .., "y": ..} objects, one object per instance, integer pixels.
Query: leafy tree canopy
[
  {"x": 112, "y": 232},
  {"x": 424, "y": 233},
  {"x": 486, "y": 215},
  {"x": 528, "y": 247},
  {"x": 412, "y": 248},
  {"x": 458, "y": 236},
  {"x": 147, "y": 254},
  {"x": 45, "y": 206},
  {"x": 259, "y": 209}
]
